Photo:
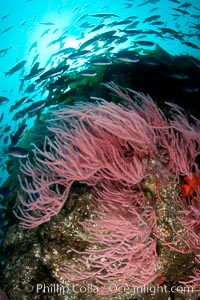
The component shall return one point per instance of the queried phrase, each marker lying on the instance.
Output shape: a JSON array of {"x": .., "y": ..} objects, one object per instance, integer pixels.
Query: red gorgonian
[{"x": 115, "y": 149}]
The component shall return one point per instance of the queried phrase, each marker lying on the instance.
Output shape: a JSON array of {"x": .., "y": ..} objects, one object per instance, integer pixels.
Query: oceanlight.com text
[{"x": 60, "y": 289}]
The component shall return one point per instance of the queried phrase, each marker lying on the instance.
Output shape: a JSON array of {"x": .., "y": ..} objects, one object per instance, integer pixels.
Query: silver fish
[{"x": 18, "y": 152}]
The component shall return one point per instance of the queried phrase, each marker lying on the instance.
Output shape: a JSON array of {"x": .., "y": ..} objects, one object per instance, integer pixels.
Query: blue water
[{"x": 26, "y": 17}]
